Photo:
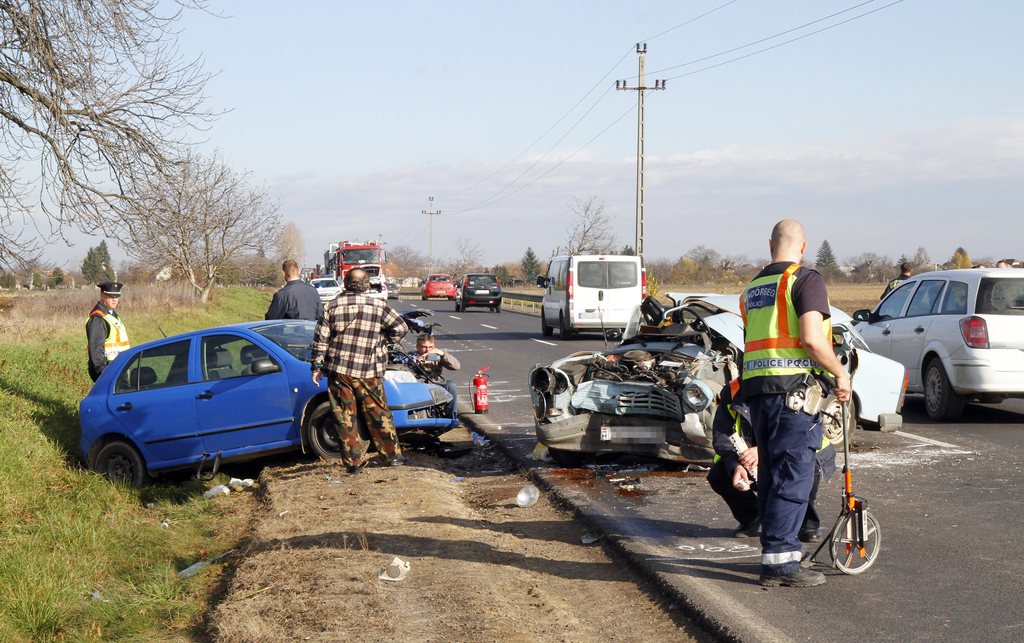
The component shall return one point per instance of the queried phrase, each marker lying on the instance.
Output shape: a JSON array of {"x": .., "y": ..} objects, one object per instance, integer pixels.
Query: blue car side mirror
[{"x": 264, "y": 365}]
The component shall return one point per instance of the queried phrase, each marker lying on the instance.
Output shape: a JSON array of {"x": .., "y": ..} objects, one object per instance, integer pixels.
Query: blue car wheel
[{"x": 119, "y": 462}]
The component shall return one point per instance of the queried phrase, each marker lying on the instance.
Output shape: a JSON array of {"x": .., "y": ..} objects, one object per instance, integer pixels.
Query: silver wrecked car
[{"x": 656, "y": 393}]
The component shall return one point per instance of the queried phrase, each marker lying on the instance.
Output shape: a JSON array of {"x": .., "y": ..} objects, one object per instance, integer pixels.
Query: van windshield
[
  {"x": 1000, "y": 297},
  {"x": 606, "y": 274}
]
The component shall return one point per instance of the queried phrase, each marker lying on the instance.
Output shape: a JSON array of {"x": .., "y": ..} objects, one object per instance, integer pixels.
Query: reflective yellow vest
[
  {"x": 774, "y": 358},
  {"x": 117, "y": 336}
]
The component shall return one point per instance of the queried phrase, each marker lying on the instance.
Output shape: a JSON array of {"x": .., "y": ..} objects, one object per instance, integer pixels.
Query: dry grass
[{"x": 31, "y": 314}]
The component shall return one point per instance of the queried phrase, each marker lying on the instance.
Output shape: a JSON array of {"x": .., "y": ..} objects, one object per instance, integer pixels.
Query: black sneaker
[
  {"x": 800, "y": 577},
  {"x": 811, "y": 535},
  {"x": 753, "y": 530}
]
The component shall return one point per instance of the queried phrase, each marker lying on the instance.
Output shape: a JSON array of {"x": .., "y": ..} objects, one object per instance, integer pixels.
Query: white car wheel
[{"x": 940, "y": 400}]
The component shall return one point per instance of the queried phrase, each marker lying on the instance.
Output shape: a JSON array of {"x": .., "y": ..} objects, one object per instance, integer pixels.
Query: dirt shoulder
[{"x": 482, "y": 568}]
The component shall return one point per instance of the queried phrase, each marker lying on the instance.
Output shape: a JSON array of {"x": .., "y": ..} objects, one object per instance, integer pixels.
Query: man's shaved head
[
  {"x": 788, "y": 241},
  {"x": 357, "y": 280}
]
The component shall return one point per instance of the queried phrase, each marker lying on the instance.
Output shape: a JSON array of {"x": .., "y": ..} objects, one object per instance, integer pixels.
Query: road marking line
[
  {"x": 541, "y": 341},
  {"x": 454, "y": 317},
  {"x": 491, "y": 327},
  {"x": 927, "y": 440}
]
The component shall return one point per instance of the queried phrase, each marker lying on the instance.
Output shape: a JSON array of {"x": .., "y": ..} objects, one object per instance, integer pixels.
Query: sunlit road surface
[{"x": 944, "y": 494}]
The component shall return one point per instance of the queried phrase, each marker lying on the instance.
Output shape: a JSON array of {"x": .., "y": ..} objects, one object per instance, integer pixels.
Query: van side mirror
[
  {"x": 542, "y": 282},
  {"x": 862, "y": 315}
]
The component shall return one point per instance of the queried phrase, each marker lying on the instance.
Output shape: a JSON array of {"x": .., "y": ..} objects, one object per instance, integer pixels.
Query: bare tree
[
  {"x": 289, "y": 244},
  {"x": 590, "y": 230},
  {"x": 200, "y": 217},
  {"x": 467, "y": 258},
  {"x": 407, "y": 261},
  {"x": 94, "y": 96}
]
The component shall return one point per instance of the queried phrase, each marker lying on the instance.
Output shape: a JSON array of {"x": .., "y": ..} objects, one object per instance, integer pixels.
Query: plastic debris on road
[
  {"x": 589, "y": 539},
  {"x": 221, "y": 489},
  {"x": 479, "y": 440},
  {"x": 540, "y": 453},
  {"x": 396, "y": 570},
  {"x": 195, "y": 568},
  {"x": 237, "y": 485},
  {"x": 527, "y": 496}
]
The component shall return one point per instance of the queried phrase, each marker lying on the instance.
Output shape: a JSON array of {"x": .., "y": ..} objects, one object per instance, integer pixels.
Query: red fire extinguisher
[{"x": 480, "y": 391}]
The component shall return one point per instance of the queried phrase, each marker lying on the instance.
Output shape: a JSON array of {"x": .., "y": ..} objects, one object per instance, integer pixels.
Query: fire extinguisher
[{"x": 480, "y": 391}]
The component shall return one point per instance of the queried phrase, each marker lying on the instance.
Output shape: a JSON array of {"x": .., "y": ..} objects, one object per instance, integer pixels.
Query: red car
[{"x": 438, "y": 286}]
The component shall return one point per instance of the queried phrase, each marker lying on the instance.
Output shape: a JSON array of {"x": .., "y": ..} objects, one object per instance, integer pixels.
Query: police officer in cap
[{"x": 105, "y": 330}]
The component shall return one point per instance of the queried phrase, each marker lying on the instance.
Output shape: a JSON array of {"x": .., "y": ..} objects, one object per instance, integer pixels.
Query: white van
[{"x": 591, "y": 293}]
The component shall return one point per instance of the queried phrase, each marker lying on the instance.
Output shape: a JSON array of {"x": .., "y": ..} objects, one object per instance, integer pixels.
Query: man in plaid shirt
[{"x": 350, "y": 345}]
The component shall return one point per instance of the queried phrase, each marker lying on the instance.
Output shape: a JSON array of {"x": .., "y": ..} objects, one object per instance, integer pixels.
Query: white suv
[{"x": 959, "y": 333}]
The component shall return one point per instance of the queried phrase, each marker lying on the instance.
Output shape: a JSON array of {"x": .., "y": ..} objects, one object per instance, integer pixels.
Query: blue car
[{"x": 233, "y": 393}]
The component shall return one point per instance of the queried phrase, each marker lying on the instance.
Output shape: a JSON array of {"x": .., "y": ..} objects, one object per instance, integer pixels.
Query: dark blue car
[{"x": 232, "y": 393}]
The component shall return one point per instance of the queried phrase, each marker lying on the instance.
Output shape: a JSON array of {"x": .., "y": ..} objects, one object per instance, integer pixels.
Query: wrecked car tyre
[{"x": 322, "y": 433}]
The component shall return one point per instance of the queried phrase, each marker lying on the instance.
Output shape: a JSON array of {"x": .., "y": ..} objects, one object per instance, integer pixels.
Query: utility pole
[
  {"x": 640, "y": 89},
  {"x": 430, "y": 233}
]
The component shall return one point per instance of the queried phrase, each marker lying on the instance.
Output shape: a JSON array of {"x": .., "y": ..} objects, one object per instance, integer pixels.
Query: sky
[{"x": 900, "y": 128}]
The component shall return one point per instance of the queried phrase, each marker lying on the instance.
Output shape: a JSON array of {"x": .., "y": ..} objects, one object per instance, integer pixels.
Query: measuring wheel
[{"x": 856, "y": 541}]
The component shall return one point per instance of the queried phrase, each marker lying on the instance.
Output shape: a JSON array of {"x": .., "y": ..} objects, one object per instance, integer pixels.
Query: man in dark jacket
[
  {"x": 105, "y": 330},
  {"x": 730, "y": 475},
  {"x": 295, "y": 300}
]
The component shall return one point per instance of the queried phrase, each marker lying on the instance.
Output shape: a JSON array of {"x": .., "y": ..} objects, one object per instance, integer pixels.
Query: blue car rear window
[{"x": 295, "y": 336}]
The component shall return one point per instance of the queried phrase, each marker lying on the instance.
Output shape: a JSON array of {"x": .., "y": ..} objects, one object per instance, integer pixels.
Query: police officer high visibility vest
[
  {"x": 117, "y": 336},
  {"x": 774, "y": 358}
]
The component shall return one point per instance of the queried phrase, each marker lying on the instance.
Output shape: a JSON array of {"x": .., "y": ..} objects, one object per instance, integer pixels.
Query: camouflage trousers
[{"x": 363, "y": 396}]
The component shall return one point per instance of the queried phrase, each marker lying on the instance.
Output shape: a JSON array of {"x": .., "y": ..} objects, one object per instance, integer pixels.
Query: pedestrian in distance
[
  {"x": 787, "y": 356},
  {"x": 1004, "y": 263},
  {"x": 350, "y": 346},
  {"x": 730, "y": 477},
  {"x": 104, "y": 329},
  {"x": 906, "y": 271},
  {"x": 296, "y": 299},
  {"x": 434, "y": 359}
]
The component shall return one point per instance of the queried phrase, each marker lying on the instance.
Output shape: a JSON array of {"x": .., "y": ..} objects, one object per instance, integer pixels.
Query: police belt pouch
[{"x": 809, "y": 397}]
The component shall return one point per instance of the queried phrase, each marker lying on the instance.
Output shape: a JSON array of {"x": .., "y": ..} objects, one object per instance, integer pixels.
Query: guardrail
[{"x": 524, "y": 301}]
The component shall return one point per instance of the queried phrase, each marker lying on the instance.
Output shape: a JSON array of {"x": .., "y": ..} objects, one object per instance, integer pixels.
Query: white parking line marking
[
  {"x": 489, "y": 326},
  {"x": 454, "y": 317},
  {"x": 928, "y": 440},
  {"x": 541, "y": 341}
]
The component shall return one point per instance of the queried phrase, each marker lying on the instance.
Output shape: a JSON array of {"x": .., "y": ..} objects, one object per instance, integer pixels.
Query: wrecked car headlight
[
  {"x": 440, "y": 395},
  {"x": 542, "y": 380},
  {"x": 697, "y": 396},
  {"x": 400, "y": 375}
]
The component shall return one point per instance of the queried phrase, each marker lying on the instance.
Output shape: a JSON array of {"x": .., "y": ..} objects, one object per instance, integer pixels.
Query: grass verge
[{"x": 80, "y": 558}]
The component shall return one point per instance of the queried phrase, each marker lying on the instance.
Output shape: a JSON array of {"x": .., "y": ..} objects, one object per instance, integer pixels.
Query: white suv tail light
[{"x": 975, "y": 332}]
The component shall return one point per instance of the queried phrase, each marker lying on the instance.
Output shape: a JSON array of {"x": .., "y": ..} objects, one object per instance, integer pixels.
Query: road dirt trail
[{"x": 482, "y": 568}]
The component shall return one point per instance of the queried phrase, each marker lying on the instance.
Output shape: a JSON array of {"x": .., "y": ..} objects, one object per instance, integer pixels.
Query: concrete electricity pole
[
  {"x": 430, "y": 233},
  {"x": 640, "y": 89}
]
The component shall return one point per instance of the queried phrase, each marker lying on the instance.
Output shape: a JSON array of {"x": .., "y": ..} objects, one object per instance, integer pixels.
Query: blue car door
[
  {"x": 240, "y": 411},
  {"x": 156, "y": 405}
]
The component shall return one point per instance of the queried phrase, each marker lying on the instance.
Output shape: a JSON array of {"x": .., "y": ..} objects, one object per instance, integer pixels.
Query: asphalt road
[{"x": 944, "y": 494}]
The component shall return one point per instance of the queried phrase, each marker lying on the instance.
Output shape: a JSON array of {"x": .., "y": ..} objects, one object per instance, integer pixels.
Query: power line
[
  {"x": 785, "y": 42},
  {"x": 776, "y": 35},
  {"x": 683, "y": 24},
  {"x": 577, "y": 104},
  {"x": 543, "y": 156},
  {"x": 547, "y": 131},
  {"x": 558, "y": 164}
]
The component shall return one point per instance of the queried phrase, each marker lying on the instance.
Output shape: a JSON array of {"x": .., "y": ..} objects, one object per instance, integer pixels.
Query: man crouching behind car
[{"x": 350, "y": 345}]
